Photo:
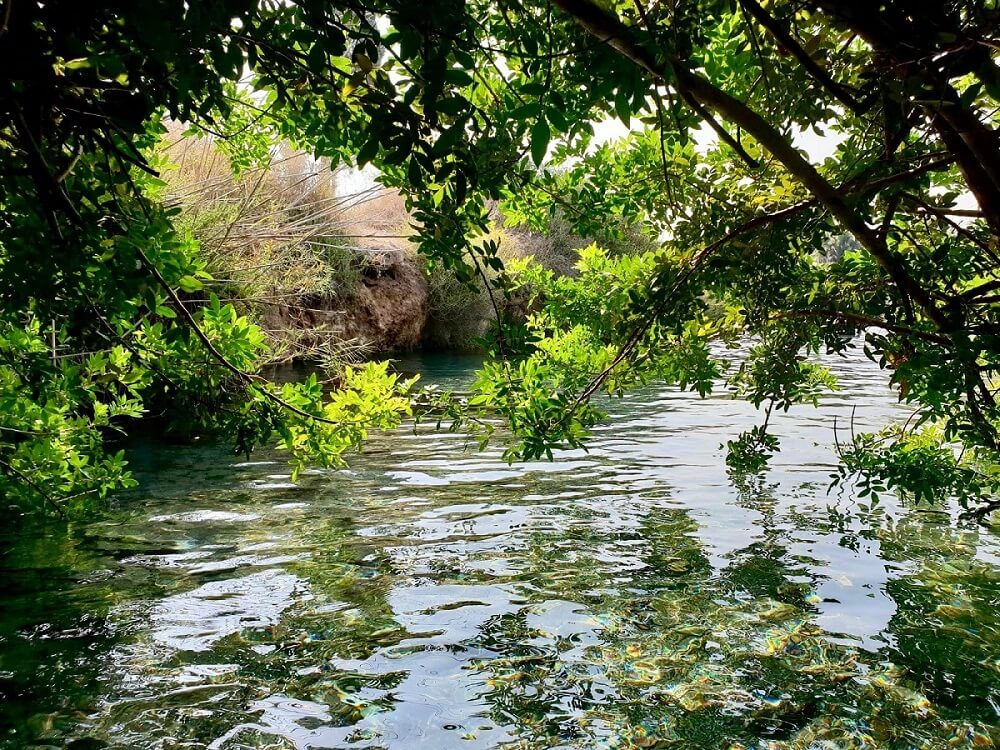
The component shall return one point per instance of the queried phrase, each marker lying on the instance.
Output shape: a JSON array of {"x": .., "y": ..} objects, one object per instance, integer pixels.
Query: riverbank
[{"x": 322, "y": 261}]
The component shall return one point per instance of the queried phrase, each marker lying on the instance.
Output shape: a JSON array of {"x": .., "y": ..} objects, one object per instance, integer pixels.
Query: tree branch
[
  {"x": 256, "y": 381},
  {"x": 787, "y": 43},
  {"x": 34, "y": 486},
  {"x": 865, "y": 321},
  {"x": 720, "y": 131},
  {"x": 610, "y": 28}
]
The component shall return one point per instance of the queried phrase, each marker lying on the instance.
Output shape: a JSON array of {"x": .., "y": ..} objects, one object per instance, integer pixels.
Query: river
[{"x": 432, "y": 596}]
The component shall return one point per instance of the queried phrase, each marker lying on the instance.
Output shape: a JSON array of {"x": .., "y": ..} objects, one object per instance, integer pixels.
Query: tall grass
[{"x": 279, "y": 240}]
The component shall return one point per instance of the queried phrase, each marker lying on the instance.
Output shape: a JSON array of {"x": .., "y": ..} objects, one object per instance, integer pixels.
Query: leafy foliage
[
  {"x": 572, "y": 336},
  {"x": 917, "y": 466},
  {"x": 461, "y": 104}
]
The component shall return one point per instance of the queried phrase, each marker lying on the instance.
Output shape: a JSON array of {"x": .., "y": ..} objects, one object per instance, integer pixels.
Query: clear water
[{"x": 434, "y": 597}]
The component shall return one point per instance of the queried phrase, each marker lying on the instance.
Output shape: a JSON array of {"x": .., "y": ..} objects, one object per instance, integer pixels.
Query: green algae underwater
[{"x": 432, "y": 596}]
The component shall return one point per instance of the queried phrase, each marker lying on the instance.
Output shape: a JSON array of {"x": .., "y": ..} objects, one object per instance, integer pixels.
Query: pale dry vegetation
[
  {"x": 291, "y": 250},
  {"x": 276, "y": 240}
]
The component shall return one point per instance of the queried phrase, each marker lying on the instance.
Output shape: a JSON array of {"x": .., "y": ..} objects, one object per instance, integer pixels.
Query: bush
[
  {"x": 273, "y": 236},
  {"x": 461, "y": 312}
]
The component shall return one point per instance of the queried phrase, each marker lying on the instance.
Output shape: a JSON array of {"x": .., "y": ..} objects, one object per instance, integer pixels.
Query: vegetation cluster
[{"x": 110, "y": 309}]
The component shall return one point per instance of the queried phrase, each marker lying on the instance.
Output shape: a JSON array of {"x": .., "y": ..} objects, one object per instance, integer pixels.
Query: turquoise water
[{"x": 431, "y": 596}]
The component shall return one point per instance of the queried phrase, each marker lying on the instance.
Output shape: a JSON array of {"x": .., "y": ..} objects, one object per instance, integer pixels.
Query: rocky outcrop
[
  {"x": 388, "y": 311},
  {"x": 385, "y": 311}
]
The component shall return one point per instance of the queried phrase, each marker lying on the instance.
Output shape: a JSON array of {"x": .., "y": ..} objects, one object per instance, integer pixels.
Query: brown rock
[{"x": 389, "y": 310}]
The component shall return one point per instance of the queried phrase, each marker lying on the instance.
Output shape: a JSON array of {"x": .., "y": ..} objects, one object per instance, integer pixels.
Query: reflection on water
[{"x": 434, "y": 597}]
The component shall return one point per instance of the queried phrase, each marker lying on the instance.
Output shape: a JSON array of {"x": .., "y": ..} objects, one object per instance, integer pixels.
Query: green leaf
[
  {"x": 526, "y": 111},
  {"x": 368, "y": 151},
  {"x": 457, "y": 77},
  {"x": 190, "y": 284},
  {"x": 533, "y": 89},
  {"x": 557, "y": 119},
  {"x": 317, "y": 59},
  {"x": 540, "y": 136},
  {"x": 623, "y": 106}
]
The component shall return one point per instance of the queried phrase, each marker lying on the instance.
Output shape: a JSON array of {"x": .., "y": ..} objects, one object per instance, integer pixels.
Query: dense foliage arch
[{"x": 463, "y": 104}]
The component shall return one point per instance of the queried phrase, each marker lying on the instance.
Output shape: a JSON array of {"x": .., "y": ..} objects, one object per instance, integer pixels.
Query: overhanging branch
[{"x": 610, "y": 29}]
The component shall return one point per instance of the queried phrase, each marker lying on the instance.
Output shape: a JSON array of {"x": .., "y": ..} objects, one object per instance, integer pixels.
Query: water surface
[{"x": 432, "y": 596}]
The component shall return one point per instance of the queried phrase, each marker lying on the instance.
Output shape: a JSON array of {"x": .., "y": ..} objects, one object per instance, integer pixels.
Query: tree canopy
[{"x": 463, "y": 106}]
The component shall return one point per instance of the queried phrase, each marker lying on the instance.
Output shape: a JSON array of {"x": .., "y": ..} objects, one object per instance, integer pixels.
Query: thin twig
[{"x": 35, "y": 486}]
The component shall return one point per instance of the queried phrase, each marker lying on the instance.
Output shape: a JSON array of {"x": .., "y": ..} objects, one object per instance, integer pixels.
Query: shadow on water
[
  {"x": 55, "y": 632},
  {"x": 434, "y": 597}
]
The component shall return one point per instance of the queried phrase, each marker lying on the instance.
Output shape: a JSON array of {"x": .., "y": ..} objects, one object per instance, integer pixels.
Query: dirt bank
[
  {"x": 389, "y": 308},
  {"x": 386, "y": 311}
]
